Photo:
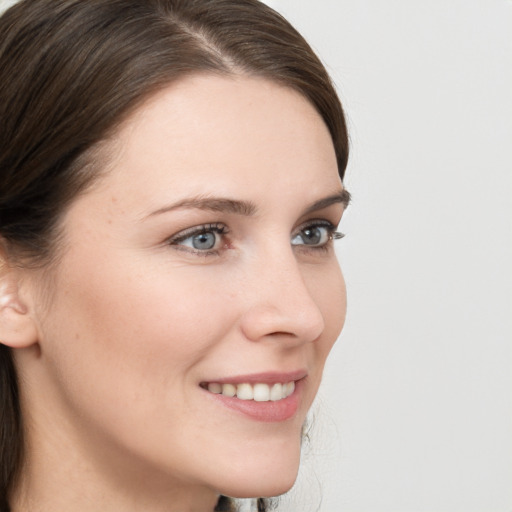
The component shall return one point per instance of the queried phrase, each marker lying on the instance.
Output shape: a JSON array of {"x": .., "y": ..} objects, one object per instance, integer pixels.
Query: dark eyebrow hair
[
  {"x": 342, "y": 197},
  {"x": 214, "y": 204},
  {"x": 247, "y": 208}
]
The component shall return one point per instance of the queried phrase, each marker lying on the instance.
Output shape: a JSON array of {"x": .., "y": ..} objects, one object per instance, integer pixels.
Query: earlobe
[{"x": 17, "y": 328}]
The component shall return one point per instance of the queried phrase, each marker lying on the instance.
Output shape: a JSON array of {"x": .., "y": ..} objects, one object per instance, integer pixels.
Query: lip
[
  {"x": 263, "y": 377},
  {"x": 268, "y": 412}
]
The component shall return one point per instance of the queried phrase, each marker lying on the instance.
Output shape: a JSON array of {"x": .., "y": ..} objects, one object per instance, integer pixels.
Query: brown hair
[{"x": 72, "y": 70}]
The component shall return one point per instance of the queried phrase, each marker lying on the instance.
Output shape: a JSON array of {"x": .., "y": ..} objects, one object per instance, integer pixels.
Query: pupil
[
  {"x": 204, "y": 241},
  {"x": 312, "y": 236}
]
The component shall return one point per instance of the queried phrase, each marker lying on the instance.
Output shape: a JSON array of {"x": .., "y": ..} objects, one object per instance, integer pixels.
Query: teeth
[
  {"x": 214, "y": 387},
  {"x": 290, "y": 388},
  {"x": 260, "y": 392},
  {"x": 244, "y": 392},
  {"x": 276, "y": 392},
  {"x": 227, "y": 389}
]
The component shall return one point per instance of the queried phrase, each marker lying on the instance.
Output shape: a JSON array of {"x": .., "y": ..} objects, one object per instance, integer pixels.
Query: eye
[
  {"x": 317, "y": 234},
  {"x": 202, "y": 239}
]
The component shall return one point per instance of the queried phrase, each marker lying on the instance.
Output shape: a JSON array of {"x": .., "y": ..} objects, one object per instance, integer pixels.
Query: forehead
[{"x": 212, "y": 131}]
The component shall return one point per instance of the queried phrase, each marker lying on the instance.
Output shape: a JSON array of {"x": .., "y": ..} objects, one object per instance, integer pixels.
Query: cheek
[
  {"x": 153, "y": 314},
  {"x": 125, "y": 335},
  {"x": 122, "y": 345},
  {"x": 329, "y": 293}
]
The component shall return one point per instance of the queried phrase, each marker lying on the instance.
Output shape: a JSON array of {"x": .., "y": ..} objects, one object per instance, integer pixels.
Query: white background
[
  {"x": 415, "y": 413},
  {"x": 416, "y": 408}
]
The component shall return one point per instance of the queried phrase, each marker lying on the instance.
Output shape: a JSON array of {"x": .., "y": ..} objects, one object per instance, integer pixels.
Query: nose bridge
[{"x": 279, "y": 301}]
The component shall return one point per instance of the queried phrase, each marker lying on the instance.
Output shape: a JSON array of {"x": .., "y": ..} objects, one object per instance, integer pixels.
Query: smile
[
  {"x": 259, "y": 392},
  {"x": 266, "y": 397}
]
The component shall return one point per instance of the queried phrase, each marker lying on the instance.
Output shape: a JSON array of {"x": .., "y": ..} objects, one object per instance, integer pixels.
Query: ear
[{"x": 17, "y": 328}]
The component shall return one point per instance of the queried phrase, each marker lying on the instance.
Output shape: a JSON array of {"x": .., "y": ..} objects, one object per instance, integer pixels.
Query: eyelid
[
  {"x": 314, "y": 222},
  {"x": 333, "y": 234},
  {"x": 220, "y": 229},
  {"x": 217, "y": 227},
  {"x": 332, "y": 228}
]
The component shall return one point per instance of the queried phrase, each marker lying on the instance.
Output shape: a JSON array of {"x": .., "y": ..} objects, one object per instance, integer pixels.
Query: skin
[{"x": 114, "y": 412}]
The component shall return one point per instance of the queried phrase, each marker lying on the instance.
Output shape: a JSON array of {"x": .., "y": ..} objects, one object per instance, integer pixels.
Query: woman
[{"x": 171, "y": 183}]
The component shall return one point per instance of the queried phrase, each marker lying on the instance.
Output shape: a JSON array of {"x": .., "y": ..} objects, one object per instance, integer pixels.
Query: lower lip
[{"x": 270, "y": 412}]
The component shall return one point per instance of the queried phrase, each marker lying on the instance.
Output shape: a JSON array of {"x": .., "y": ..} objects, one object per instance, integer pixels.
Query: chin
[
  {"x": 269, "y": 474},
  {"x": 264, "y": 488}
]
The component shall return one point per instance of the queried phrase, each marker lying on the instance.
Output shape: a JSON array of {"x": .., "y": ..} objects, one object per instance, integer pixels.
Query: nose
[{"x": 279, "y": 303}]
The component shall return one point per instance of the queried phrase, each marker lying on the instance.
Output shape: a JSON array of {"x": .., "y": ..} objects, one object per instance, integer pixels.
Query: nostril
[
  {"x": 282, "y": 324},
  {"x": 282, "y": 333}
]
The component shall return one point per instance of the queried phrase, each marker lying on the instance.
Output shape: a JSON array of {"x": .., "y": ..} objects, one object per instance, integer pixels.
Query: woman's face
[{"x": 202, "y": 259}]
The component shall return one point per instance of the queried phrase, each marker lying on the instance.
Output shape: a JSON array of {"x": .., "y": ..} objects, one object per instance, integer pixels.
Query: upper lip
[{"x": 263, "y": 377}]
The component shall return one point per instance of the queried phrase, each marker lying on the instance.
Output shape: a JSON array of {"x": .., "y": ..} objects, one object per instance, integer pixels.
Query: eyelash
[
  {"x": 222, "y": 229},
  {"x": 332, "y": 234},
  {"x": 218, "y": 228}
]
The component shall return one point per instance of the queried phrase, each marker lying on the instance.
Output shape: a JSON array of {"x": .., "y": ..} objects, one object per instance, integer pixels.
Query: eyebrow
[
  {"x": 214, "y": 204},
  {"x": 343, "y": 197},
  {"x": 246, "y": 208}
]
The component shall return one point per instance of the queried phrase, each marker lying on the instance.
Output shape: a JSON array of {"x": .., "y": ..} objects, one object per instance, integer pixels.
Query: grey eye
[
  {"x": 312, "y": 235},
  {"x": 202, "y": 241}
]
